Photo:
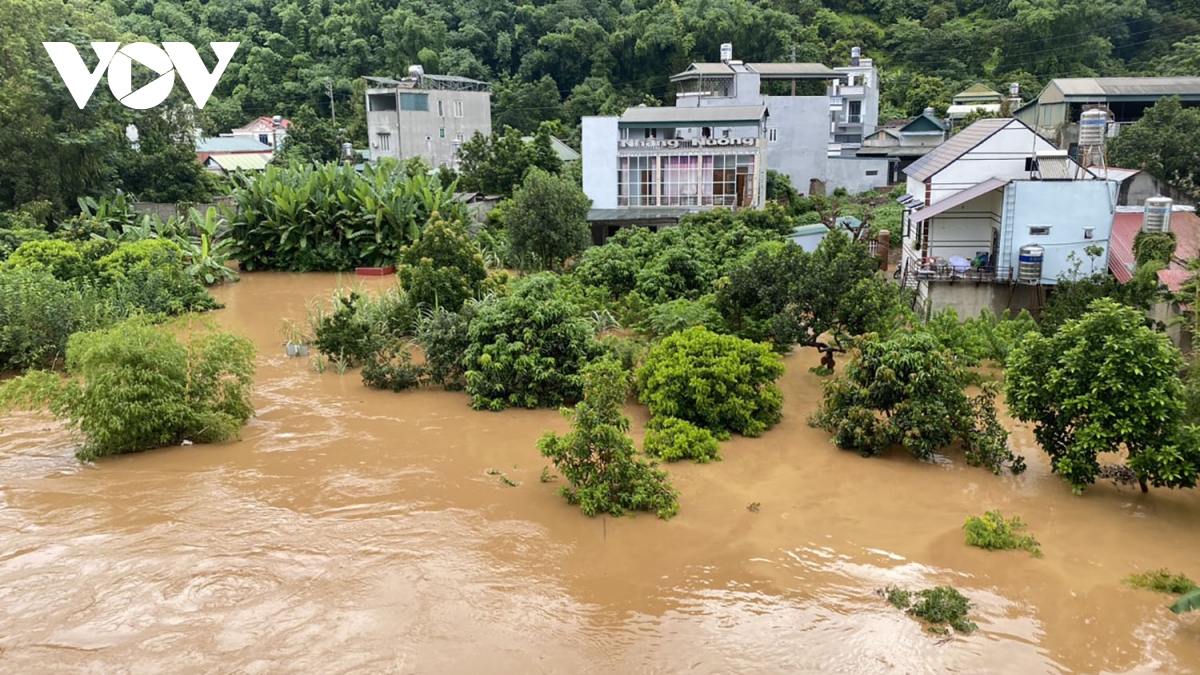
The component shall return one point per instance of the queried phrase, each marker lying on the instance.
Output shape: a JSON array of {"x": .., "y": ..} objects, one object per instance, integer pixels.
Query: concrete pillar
[{"x": 883, "y": 242}]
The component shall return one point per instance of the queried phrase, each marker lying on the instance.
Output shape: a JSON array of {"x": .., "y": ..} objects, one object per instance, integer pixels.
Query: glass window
[
  {"x": 441, "y": 108},
  {"x": 442, "y": 132},
  {"x": 458, "y": 109},
  {"x": 414, "y": 102},
  {"x": 772, "y": 135},
  {"x": 264, "y": 139}
]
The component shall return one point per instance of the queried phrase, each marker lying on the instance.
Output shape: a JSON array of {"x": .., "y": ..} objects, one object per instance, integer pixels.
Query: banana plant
[
  {"x": 207, "y": 253},
  {"x": 1187, "y": 603}
]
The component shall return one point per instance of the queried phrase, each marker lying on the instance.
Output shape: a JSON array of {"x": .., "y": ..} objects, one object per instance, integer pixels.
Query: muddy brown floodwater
[{"x": 358, "y": 531}]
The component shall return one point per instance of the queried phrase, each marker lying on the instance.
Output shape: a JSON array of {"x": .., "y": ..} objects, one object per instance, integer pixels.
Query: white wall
[
  {"x": 851, "y": 173},
  {"x": 1001, "y": 156},
  {"x": 600, "y": 141},
  {"x": 802, "y": 148},
  {"x": 966, "y": 229}
]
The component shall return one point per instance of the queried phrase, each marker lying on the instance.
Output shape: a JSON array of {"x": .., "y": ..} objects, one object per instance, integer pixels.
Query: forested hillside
[{"x": 557, "y": 59}]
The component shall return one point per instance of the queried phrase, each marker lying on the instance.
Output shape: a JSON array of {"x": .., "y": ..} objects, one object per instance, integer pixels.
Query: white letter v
[
  {"x": 74, "y": 73},
  {"x": 199, "y": 82}
]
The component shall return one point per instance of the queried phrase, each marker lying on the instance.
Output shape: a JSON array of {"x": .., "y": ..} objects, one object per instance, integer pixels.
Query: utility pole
[{"x": 329, "y": 90}]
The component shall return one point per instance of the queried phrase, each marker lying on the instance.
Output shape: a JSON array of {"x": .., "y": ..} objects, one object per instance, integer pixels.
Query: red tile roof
[{"x": 1185, "y": 225}]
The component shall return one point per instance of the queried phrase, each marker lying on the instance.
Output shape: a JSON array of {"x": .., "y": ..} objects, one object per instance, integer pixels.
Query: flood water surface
[{"x": 358, "y": 531}]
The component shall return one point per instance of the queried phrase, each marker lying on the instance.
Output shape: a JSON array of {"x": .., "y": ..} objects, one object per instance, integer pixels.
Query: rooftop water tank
[
  {"x": 1092, "y": 126},
  {"x": 1158, "y": 215},
  {"x": 416, "y": 71},
  {"x": 1029, "y": 264},
  {"x": 726, "y": 52},
  {"x": 1014, "y": 89},
  {"x": 855, "y": 55}
]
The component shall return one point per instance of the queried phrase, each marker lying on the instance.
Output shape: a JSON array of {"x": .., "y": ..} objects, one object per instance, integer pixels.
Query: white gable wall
[{"x": 1002, "y": 155}]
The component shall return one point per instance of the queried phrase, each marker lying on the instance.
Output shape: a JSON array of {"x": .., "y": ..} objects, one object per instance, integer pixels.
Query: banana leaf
[{"x": 1188, "y": 602}]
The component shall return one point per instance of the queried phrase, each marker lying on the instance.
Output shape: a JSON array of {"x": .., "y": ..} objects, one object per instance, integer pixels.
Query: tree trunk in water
[{"x": 1142, "y": 482}]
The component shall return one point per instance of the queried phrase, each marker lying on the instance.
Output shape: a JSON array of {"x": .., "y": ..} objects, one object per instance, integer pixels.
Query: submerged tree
[
  {"x": 599, "y": 458},
  {"x": 1102, "y": 384},
  {"x": 908, "y": 391}
]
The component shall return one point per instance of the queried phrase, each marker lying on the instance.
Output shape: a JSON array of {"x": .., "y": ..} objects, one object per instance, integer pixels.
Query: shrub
[
  {"x": 1162, "y": 581},
  {"x": 60, "y": 258},
  {"x": 676, "y": 315},
  {"x": 547, "y": 219},
  {"x": 672, "y": 439},
  {"x": 528, "y": 348},
  {"x": 907, "y": 391},
  {"x": 134, "y": 387},
  {"x": 986, "y": 337},
  {"x": 1151, "y": 247},
  {"x": 720, "y": 382},
  {"x": 38, "y": 313},
  {"x": 445, "y": 337},
  {"x": 150, "y": 275},
  {"x": 993, "y": 533},
  {"x": 443, "y": 268},
  {"x": 349, "y": 332},
  {"x": 599, "y": 459},
  {"x": 392, "y": 368},
  {"x": 939, "y": 607}
]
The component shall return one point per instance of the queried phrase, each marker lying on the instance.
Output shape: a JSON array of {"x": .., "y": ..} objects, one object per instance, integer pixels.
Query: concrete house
[
  {"x": 978, "y": 199},
  {"x": 651, "y": 166},
  {"x": 810, "y": 120},
  {"x": 904, "y": 145},
  {"x": 975, "y": 97},
  {"x": 264, "y": 130},
  {"x": 1055, "y": 112},
  {"x": 226, "y": 154},
  {"x": 1185, "y": 225},
  {"x": 424, "y": 115},
  {"x": 1138, "y": 185}
]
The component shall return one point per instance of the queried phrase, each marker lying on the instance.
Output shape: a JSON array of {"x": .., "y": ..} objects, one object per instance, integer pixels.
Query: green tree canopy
[
  {"x": 1105, "y": 383},
  {"x": 1166, "y": 141},
  {"x": 547, "y": 219}
]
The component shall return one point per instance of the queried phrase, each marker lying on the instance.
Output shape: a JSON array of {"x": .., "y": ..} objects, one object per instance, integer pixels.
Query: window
[
  {"x": 855, "y": 113},
  {"x": 459, "y": 138},
  {"x": 385, "y": 142},
  {"x": 686, "y": 180},
  {"x": 1031, "y": 164},
  {"x": 873, "y": 173},
  {"x": 772, "y": 135},
  {"x": 381, "y": 102},
  {"x": 414, "y": 102},
  {"x": 441, "y": 108},
  {"x": 264, "y": 139},
  {"x": 1039, "y": 230},
  {"x": 1089, "y": 233},
  {"x": 442, "y": 132},
  {"x": 458, "y": 109},
  {"x": 724, "y": 133}
]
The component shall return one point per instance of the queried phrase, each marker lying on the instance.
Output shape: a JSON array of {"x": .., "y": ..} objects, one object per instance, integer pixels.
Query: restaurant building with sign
[{"x": 651, "y": 166}]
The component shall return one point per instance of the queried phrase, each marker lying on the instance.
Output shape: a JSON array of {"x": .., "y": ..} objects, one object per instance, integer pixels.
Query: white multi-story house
[
  {"x": 814, "y": 126},
  {"x": 979, "y": 199},
  {"x": 424, "y": 115}
]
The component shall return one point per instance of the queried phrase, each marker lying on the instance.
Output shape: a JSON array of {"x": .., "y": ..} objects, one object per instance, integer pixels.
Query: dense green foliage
[
  {"x": 672, "y": 439},
  {"x": 306, "y": 218},
  {"x": 987, "y": 337},
  {"x": 599, "y": 459},
  {"x": 528, "y": 348},
  {"x": 53, "y": 288},
  {"x": 782, "y": 293},
  {"x": 1102, "y": 384},
  {"x": 134, "y": 387},
  {"x": 939, "y": 607},
  {"x": 992, "y": 532},
  {"x": 1164, "y": 141},
  {"x": 908, "y": 391},
  {"x": 444, "y": 337},
  {"x": 547, "y": 219},
  {"x": 1162, "y": 581},
  {"x": 1189, "y": 602},
  {"x": 682, "y": 313},
  {"x": 1073, "y": 296},
  {"x": 1153, "y": 247},
  {"x": 498, "y": 164},
  {"x": 444, "y": 267},
  {"x": 721, "y": 383}
]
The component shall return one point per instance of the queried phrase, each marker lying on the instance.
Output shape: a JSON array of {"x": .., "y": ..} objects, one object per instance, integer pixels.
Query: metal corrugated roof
[
  {"x": 977, "y": 91},
  {"x": 1057, "y": 167},
  {"x": 230, "y": 144},
  {"x": 242, "y": 162},
  {"x": 766, "y": 71},
  {"x": 1126, "y": 225},
  {"x": 958, "y": 145},
  {"x": 921, "y": 215},
  {"x": 1174, "y": 279},
  {"x": 695, "y": 116},
  {"x": 564, "y": 151},
  {"x": 1085, "y": 87}
]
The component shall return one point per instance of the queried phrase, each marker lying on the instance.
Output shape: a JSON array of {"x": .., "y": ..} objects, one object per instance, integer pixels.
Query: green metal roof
[{"x": 242, "y": 162}]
